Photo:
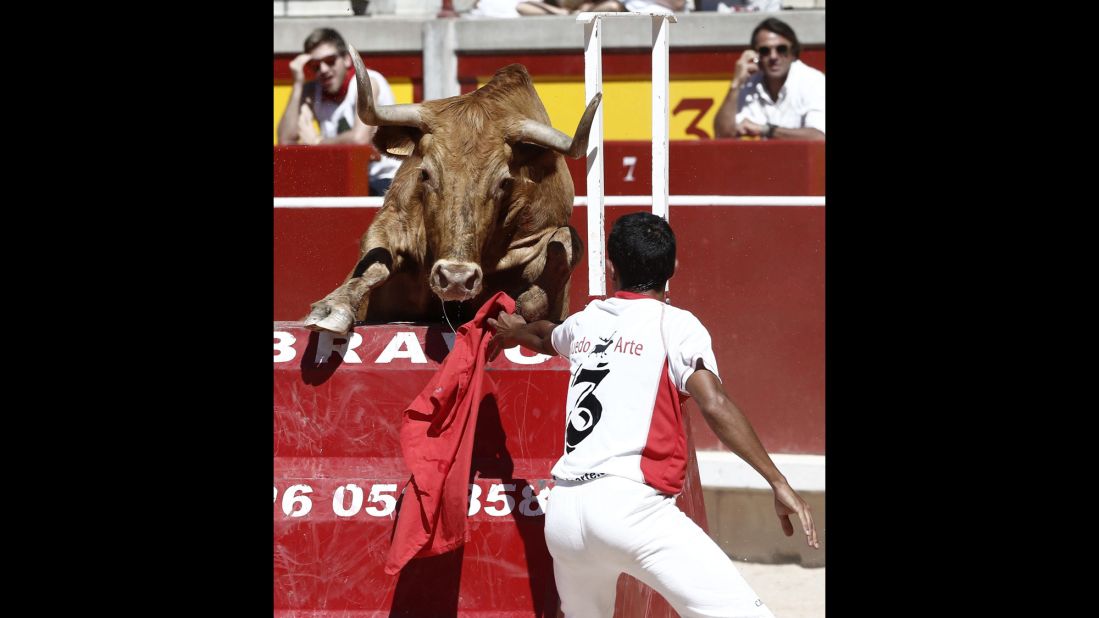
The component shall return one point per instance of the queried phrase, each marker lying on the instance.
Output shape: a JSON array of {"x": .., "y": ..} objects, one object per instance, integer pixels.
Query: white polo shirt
[
  {"x": 631, "y": 356},
  {"x": 800, "y": 101}
]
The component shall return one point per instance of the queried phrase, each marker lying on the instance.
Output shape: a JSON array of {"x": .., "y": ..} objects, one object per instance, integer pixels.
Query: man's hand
[
  {"x": 507, "y": 327},
  {"x": 747, "y": 127},
  {"x": 787, "y": 503},
  {"x": 307, "y": 133},
  {"x": 746, "y": 65},
  {"x": 297, "y": 67}
]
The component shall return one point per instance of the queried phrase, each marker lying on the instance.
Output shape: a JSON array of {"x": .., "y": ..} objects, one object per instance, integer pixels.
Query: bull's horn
[
  {"x": 574, "y": 147},
  {"x": 402, "y": 115}
]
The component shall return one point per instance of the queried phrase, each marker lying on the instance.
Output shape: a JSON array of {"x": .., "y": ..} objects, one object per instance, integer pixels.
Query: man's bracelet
[{"x": 770, "y": 133}]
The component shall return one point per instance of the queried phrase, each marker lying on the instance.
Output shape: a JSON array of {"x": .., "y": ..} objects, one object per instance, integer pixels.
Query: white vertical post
[
  {"x": 593, "y": 84},
  {"x": 660, "y": 115}
]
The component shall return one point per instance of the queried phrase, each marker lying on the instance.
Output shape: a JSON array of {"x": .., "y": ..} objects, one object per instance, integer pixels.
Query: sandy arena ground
[{"x": 790, "y": 590}]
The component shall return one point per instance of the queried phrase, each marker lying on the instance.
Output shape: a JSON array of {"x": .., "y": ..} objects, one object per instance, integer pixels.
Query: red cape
[{"x": 437, "y": 444}]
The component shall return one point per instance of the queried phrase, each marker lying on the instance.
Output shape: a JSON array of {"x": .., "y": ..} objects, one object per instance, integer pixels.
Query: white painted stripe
[
  {"x": 582, "y": 200},
  {"x": 724, "y": 470},
  {"x": 709, "y": 200}
]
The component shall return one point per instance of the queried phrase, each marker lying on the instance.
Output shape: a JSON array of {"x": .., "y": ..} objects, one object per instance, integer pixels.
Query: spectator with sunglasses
[
  {"x": 773, "y": 95},
  {"x": 330, "y": 99}
]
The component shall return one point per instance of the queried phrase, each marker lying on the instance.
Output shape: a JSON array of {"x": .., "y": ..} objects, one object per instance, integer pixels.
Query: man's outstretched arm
[
  {"x": 735, "y": 432},
  {"x": 512, "y": 330}
]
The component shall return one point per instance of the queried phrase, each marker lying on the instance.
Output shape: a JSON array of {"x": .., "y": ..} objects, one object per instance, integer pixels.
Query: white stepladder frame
[{"x": 593, "y": 84}]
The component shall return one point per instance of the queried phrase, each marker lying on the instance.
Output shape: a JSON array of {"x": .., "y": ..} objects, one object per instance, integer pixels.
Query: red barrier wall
[
  {"x": 323, "y": 171},
  {"x": 338, "y": 472}
]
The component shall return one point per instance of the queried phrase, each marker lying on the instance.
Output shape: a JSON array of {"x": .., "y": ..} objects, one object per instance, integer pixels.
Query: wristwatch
[{"x": 770, "y": 132}]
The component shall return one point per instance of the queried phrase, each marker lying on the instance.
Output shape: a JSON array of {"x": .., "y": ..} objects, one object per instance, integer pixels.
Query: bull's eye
[
  {"x": 505, "y": 185},
  {"x": 424, "y": 176}
]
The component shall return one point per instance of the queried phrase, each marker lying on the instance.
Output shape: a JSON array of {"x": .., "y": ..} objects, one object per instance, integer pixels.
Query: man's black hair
[
  {"x": 325, "y": 35},
  {"x": 642, "y": 248},
  {"x": 780, "y": 28}
]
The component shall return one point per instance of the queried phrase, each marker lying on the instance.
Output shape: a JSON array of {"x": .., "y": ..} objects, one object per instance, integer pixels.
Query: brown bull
[{"x": 480, "y": 204}]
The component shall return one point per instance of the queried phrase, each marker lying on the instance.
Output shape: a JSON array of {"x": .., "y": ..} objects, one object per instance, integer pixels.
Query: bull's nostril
[{"x": 457, "y": 278}]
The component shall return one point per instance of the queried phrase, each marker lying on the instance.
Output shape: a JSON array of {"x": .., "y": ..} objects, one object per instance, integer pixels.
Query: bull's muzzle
[{"x": 455, "y": 280}]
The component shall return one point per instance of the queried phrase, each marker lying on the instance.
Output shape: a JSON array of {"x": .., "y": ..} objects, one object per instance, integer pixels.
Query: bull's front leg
[
  {"x": 339, "y": 310},
  {"x": 548, "y": 296}
]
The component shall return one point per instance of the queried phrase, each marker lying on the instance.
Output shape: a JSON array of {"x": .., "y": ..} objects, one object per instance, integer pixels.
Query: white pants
[{"x": 598, "y": 529}]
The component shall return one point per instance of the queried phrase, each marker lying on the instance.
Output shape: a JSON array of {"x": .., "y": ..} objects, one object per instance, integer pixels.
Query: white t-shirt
[
  {"x": 623, "y": 414},
  {"x": 336, "y": 117},
  {"x": 800, "y": 100}
]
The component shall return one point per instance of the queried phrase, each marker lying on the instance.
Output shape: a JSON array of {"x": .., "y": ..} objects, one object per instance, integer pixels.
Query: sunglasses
[
  {"x": 765, "y": 51},
  {"x": 315, "y": 65}
]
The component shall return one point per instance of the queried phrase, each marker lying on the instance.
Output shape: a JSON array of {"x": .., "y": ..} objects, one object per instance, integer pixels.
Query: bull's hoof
[
  {"x": 318, "y": 312},
  {"x": 336, "y": 320}
]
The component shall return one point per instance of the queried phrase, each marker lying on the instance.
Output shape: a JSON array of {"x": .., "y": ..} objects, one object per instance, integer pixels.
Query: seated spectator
[
  {"x": 632, "y": 6},
  {"x": 739, "y": 6},
  {"x": 773, "y": 95},
  {"x": 330, "y": 99},
  {"x": 656, "y": 6},
  {"x": 515, "y": 8},
  {"x": 598, "y": 6},
  {"x": 535, "y": 7}
]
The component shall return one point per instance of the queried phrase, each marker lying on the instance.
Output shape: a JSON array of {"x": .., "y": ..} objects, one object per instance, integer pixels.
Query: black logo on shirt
[{"x": 587, "y": 411}]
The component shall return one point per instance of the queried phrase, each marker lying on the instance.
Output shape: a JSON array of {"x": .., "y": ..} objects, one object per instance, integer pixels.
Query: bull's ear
[
  {"x": 523, "y": 154},
  {"x": 396, "y": 140}
]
